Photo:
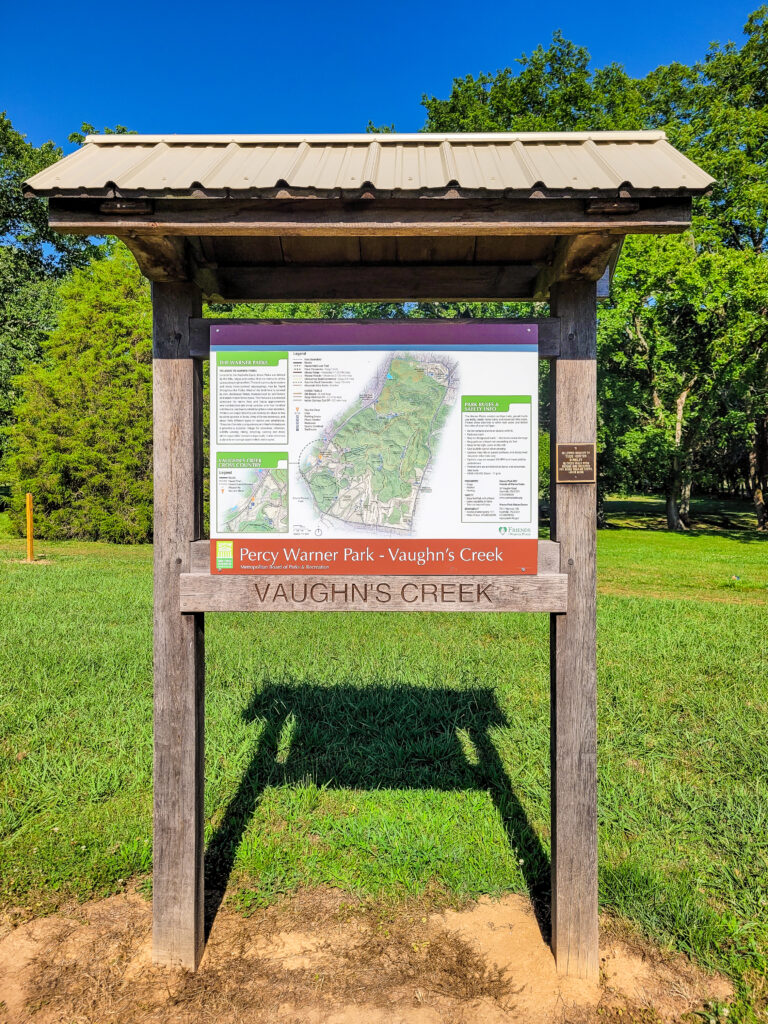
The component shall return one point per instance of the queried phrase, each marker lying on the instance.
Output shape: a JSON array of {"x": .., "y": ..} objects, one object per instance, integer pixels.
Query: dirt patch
[{"x": 319, "y": 959}]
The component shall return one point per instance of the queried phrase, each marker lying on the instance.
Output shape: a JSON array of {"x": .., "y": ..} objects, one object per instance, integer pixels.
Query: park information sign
[{"x": 374, "y": 448}]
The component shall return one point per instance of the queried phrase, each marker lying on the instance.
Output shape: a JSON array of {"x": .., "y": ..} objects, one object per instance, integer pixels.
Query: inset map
[
  {"x": 369, "y": 467},
  {"x": 251, "y": 492}
]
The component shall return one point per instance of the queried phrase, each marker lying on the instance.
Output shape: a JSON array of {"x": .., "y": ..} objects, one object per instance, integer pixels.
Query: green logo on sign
[{"x": 225, "y": 554}]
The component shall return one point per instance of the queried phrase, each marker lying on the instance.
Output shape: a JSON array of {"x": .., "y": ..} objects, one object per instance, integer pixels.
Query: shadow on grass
[
  {"x": 731, "y": 518},
  {"x": 376, "y": 737}
]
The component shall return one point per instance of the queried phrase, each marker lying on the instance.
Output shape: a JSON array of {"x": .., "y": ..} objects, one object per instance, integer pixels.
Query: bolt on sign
[{"x": 387, "y": 449}]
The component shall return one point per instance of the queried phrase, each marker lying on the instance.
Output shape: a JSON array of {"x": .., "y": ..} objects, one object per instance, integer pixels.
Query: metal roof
[{"x": 594, "y": 162}]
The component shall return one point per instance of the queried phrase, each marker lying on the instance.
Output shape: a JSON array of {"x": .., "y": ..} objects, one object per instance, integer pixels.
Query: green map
[
  {"x": 252, "y": 492},
  {"x": 369, "y": 467}
]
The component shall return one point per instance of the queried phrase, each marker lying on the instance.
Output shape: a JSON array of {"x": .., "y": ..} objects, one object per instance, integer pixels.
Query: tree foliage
[
  {"x": 82, "y": 440},
  {"x": 548, "y": 90},
  {"x": 683, "y": 342},
  {"x": 89, "y": 129},
  {"x": 682, "y": 357},
  {"x": 28, "y": 309},
  {"x": 32, "y": 259},
  {"x": 24, "y": 228}
]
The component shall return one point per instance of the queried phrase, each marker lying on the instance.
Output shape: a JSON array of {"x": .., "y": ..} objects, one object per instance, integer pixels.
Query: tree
[
  {"x": 717, "y": 113},
  {"x": 682, "y": 343},
  {"x": 550, "y": 90},
  {"x": 681, "y": 348},
  {"x": 88, "y": 129},
  {"x": 82, "y": 439},
  {"x": 28, "y": 309},
  {"x": 24, "y": 228},
  {"x": 32, "y": 259}
]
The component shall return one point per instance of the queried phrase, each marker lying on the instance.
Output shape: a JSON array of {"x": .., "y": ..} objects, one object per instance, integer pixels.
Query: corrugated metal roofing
[{"x": 181, "y": 164}]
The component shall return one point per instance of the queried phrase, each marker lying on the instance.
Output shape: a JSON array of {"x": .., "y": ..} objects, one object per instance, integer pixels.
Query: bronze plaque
[{"x": 576, "y": 464}]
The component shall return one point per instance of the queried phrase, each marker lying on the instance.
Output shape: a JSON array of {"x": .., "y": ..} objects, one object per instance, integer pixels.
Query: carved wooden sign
[
  {"x": 233, "y": 592},
  {"x": 576, "y": 464}
]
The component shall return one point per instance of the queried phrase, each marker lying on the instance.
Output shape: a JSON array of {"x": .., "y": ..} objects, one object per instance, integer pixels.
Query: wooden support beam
[
  {"x": 573, "y": 645},
  {"x": 204, "y": 270},
  {"x": 160, "y": 257},
  {"x": 210, "y": 593},
  {"x": 371, "y": 283},
  {"x": 548, "y": 330},
  {"x": 177, "y": 902},
  {"x": 451, "y": 217},
  {"x": 577, "y": 258}
]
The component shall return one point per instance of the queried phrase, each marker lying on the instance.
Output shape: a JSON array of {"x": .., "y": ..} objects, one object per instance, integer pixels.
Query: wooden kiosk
[{"x": 372, "y": 217}]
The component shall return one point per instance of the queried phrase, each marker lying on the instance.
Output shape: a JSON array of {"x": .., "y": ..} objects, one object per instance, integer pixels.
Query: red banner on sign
[{"x": 376, "y": 557}]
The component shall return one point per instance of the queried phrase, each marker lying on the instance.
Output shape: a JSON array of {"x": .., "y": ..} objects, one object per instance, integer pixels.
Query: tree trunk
[
  {"x": 686, "y": 483},
  {"x": 600, "y": 510},
  {"x": 673, "y": 516},
  {"x": 758, "y": 472},
  {"x": 674, "y": 522},
  {"x": 674, "y": 490}
]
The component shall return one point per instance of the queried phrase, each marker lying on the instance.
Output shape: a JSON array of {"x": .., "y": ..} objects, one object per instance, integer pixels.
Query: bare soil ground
[{"x": 317, "y": 959}]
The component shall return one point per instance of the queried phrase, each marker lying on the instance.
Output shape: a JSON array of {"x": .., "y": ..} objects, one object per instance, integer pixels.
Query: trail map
[
  {"x": 369, "y": 467},
  {"x": 251, "y": 494},
  {"x": 335, "y": 450}
]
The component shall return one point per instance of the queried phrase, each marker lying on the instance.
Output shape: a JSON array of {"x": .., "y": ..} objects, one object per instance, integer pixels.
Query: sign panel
[
  {"x": 374, "y": 448},
  {"x": 576, "y": 464}
]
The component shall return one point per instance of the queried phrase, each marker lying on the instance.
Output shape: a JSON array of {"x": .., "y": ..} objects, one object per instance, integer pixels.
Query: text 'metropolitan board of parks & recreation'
[{"x": 376, "y": 448}]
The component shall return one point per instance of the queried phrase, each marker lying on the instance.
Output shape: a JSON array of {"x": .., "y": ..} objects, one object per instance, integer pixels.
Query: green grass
[{"x": 396, "y": 755}]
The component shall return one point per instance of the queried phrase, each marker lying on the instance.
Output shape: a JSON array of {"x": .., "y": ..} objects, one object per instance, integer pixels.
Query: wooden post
[
  {"x": 30, "y": 530},
  {"x": 573, "y": 645},
  {"x": 177, "y": 936}
]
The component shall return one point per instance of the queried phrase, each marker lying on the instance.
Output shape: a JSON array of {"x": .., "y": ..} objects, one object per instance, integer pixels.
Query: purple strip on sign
[{"x": 360, "y": 333}]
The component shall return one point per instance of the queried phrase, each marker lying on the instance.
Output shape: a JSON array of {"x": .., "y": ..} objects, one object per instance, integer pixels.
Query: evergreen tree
[
  {"x": 82, "y": 440},
  {"x": 32, "y": 259}
]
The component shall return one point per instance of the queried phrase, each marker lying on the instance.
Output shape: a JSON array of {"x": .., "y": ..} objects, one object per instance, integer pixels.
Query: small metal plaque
[{"x": 576, "y": 464}]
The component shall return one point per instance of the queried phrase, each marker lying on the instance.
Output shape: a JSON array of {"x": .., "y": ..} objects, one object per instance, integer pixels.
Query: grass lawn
[{"x": 393, "y": 755}]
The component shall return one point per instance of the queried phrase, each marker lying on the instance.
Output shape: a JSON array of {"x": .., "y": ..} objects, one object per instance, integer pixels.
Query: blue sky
[{"x": 237, "y": 67}]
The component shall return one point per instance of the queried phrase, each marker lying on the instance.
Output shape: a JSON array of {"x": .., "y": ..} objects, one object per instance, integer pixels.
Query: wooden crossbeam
[
  {"x": 209, "y": 593},
  {"x": 422, "y": 217},
  {"x": 372, "y": 283}
]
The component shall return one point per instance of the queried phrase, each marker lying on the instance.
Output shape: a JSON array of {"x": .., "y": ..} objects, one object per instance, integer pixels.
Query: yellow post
[{"x": 30, "y": 531}]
